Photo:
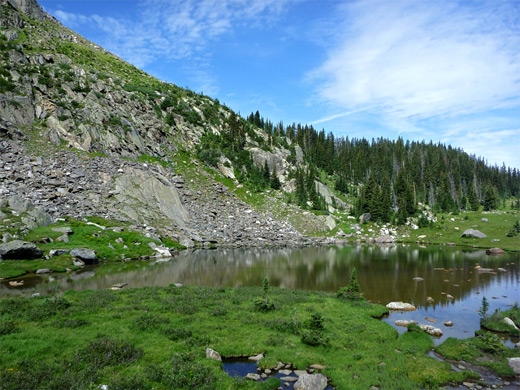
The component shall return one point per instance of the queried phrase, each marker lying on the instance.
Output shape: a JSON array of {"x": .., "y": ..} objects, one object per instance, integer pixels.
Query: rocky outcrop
[
  {"x": 431, "y": 330},
  {"x": 88, "y": 256},
  {"x": 152, "y": 200},
  {"x": 20, "y": 250},
  {"x": 212, "y": 354}
]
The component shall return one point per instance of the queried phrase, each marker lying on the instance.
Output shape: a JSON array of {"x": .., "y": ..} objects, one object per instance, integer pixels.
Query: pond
[{"x": 385, "y": 274}]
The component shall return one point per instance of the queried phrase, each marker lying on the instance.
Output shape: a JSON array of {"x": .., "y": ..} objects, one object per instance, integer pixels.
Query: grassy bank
[
  {"x": 113, "y": 241},
  {"x": 156, "y": 338}
]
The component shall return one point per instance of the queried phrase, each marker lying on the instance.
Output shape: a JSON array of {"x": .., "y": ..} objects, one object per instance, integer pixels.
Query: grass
[
  {"x": 126, "y": 245},
  {"x": 486, "y": 350},
  {"x": 444, "y": 230},
  {"x": 495, "y": 321},
  {"x": 156, "y": 338}
]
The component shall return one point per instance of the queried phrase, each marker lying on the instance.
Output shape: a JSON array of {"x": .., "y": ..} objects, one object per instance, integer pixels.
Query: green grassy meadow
[{"x": 156, "y": 338}]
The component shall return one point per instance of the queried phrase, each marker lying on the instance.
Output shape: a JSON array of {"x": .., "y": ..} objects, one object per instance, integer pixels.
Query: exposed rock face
[
  {"x": 148, "y": 199},
  {"x": 401, "y": 306},
  {"x": 473, "y": 233},
  {"x": 19, "y": 250},
  {"x": 311, "y": 382},
  {"x": 30, "y": 8}
]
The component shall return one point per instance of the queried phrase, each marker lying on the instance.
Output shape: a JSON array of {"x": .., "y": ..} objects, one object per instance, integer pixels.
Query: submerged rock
[
  {"x": 401, "y": 306},
  {"x": 254, "y": 377},
  {"x": 405, "y": 323}
]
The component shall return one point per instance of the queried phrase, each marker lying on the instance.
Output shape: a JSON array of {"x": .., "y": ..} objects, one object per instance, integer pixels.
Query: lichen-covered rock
[
  {"x": 431, "y": 330},
  {"x": 88, "y": 256}
]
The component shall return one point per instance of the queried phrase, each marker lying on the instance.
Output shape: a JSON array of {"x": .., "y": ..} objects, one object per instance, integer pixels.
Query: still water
[{"x": 385, "y": 274}]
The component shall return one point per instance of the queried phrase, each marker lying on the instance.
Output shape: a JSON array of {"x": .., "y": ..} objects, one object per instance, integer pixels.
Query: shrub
[
  {"x": 352, "y": 290},
  {"x": 183, "y": 373},
  {"x": 175, "y": 334},
  {"x": 314, "y": 335},
  {"x": 265, "y": 303},
  {"x": 7, "y": 327}
]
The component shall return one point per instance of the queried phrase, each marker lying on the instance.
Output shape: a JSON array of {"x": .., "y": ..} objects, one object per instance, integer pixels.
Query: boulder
[
  {"x": 18, "y": 249},
  {"x": 254, "y": 377},
  {"x": 88, "y": 256},
  {"x": 311, "y": 382},
  {"x": 494, "y": 251},
  {"x": 58, "y": 252},
  {"x": 401, "y": 306},
  {"x": 510, "y": 322},
  {"x": 364, "y": 218},
  {"x": 448, "y": 323},
  {"x": 212, "y": 354},
  {"x": 43, "y": 271},
  {"x": 385, "y": 240},
  {"x": 256, "y": 358},
  {"x": 484, "y": 220},
  {"x": 431, "y": 330},
  {"x": 514, "y": 363},
  {"x": 473, "y": 233}
]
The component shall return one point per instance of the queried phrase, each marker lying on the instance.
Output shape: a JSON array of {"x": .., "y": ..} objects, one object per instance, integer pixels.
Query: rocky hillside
[{"x": 83, "y": 133}]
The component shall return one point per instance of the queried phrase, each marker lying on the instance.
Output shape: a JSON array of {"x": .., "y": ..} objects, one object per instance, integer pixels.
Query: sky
[{"x": 440, "y": 70}]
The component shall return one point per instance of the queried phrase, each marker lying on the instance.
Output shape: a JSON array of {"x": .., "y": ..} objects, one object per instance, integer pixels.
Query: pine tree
[
  {"x": 491, "y": 198},
  {"x": 275, "y": 181}
]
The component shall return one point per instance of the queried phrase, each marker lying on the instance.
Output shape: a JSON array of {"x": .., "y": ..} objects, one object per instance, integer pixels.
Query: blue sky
[{"x": 441, "y": 70}]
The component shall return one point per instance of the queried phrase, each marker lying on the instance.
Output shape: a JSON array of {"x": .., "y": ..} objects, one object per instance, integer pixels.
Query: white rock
[
  {"x": 514, "y": 363},
  {"x": 212, "y": 354},
  {"x": 431, "y": 330},
  {"x": 311, "y": 382},
  {"x": 401, "y": 306},
  {"x": 405, "y": 323},
  {"x": 510, "y": 322},
  {"x": 254, "y": 377},
  {"x": 256, "y": 358}
]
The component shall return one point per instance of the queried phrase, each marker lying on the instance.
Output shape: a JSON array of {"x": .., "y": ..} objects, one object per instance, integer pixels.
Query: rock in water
[
  {"x": 405, "y": 323},
  {"x": 311, "y": 382},
  {"x": 254, "y": 377},
  {"x": 473, "y": 233},
  {"x": 495, "y": 251},
  {"x": 431, "y": 330},
  {"x": 84, "y": 254},
  {"x": 401, "y": 306},
  {"x": 18, "y": 250},
  {"x": 212, "y": 354}
]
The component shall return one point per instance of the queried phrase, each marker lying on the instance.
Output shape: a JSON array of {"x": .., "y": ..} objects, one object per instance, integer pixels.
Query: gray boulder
[
  {"x": 311, "y": 382},
  {"x": 212, "y": 354},
  {"x": 364, "y": 218},
  {"x": 473, "y": 233},
  {"x": 88, "y": 256},
  {"x": 514, "y": 363},
  {"x": 18, "y": 250},
  {"x": 385, "y": 240},
  {"x": 495, "y": 251}
]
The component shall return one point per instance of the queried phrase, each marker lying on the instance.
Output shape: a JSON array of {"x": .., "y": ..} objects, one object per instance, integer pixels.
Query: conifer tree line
[{"x": 390, "y": 177}]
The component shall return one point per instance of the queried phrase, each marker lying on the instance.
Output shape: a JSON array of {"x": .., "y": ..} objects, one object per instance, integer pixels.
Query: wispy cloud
[
  {"x": 175, "y": 30},
  {"x": 420, "y": 59}
]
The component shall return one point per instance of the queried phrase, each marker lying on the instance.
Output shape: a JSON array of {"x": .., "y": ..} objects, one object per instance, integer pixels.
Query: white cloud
[{"x": 421, "y": 59}]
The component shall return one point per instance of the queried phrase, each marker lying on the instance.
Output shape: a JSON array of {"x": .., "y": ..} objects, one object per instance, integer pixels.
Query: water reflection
[{"x": 384, "y": 273}]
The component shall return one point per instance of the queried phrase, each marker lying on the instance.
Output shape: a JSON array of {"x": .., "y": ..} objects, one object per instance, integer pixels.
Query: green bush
[
  {"x": 7, "y": 327},
  {"x": 265, "y": 303},
  {"x": 352, "y": 290}
]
